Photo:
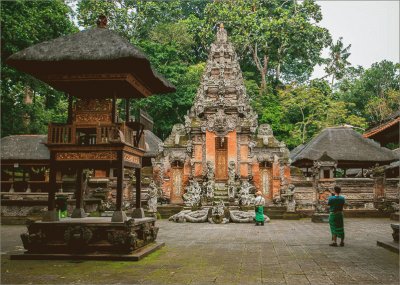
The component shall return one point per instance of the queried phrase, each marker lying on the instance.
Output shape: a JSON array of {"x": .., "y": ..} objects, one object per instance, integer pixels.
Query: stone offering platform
[{"x": 87, "y": 236}]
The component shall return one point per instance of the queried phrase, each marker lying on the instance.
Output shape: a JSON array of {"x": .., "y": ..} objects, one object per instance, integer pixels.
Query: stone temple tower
[{"x": 220, "y": 144}]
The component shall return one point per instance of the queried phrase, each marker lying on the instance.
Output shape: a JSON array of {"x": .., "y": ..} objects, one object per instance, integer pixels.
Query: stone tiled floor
[{"x": 281, "y": 252}]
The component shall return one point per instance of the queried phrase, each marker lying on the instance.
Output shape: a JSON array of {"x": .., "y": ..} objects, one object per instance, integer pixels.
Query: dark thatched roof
[
  {"x": 96, "y": 50},
  {"x": 346, "y": 146},
  {"x": 24, "y": 147},
  {"x": 32, "y": 147},
  {"x": 296, "y": 150},
  {"x": 152, "y": 142}
]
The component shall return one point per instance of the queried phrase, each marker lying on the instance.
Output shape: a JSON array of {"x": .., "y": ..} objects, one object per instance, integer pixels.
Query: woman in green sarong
[
  {"x": 336, "y": 203},
  {"x": 259, "y": 208}
]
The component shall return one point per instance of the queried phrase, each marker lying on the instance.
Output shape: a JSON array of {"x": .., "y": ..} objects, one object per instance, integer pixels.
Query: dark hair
[{"x": 337, "y": 189}]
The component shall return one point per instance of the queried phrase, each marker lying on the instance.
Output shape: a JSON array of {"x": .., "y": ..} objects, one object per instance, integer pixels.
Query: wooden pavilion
[{"x": 94, "y": 67}]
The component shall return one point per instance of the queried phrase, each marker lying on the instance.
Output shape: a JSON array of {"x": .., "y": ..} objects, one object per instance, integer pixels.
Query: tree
[
  {"x": 27, "y": 104},
  {"x": 337, "y": 62},
  {"x": 373, "y": 92},
  {"x": 282, "y": 39}
]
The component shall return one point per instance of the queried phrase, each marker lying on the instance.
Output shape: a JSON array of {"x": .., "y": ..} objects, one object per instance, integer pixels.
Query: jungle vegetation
[{"x": 278, "y": 42}]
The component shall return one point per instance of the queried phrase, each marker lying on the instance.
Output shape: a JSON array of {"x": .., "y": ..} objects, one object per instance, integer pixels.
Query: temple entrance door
[
  {"x": 266, "y": 180},
  {"x": 177, "y": 179},
  {"x": 221, "y": 158}
]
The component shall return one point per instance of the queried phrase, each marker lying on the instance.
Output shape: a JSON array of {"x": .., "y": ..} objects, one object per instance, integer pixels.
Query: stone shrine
[{"x": 220, "y": 148}]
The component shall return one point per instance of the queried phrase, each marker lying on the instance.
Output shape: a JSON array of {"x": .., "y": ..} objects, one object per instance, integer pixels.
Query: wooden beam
[{"x": 138, "y": 188}]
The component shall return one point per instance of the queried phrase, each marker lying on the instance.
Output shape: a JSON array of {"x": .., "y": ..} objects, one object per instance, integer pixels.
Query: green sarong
[
  {"x": 336, "y": 224},
  {"x": 259, "y": 214}
]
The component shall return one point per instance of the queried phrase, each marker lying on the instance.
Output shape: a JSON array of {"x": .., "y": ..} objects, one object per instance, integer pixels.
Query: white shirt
[{"x": 259, "y": 201}]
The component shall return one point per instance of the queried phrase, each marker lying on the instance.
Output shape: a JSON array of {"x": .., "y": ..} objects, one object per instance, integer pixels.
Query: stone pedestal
[
  {"x": 320, "y": 218},
  {"x": 50, "y": 216},
  {"x": 395, "y": 234},
  {"x": 138, "y": 213},
  {"x": 78, "y": 213},
  {"x": 119, "y": 216},
  {"x": 395, "y": 216}
]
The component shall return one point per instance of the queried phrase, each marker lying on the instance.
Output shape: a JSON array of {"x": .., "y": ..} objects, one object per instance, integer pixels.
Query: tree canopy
[{"x": 278, "y": 43}]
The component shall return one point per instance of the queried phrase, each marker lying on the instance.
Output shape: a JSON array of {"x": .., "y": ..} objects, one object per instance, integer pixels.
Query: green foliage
[
  {"x": 281, "y": 39},
  {"x": 278, "y": 44},
  {"x": 374, "y": 93},
  {"x": 25, "y": 23}
]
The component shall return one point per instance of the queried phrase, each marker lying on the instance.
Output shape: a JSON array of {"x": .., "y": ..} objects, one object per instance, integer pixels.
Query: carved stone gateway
[{"x": 220, "y": 145}]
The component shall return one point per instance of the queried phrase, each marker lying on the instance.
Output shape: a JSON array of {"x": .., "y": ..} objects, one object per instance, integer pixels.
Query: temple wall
[
  {"x": 276, "y": 179},
  {"x": 210, "y": 146},
  {"x": 359, "y": 192},
  {"x": 392, "y": 189},
  {"x": 232, "y": 147}
]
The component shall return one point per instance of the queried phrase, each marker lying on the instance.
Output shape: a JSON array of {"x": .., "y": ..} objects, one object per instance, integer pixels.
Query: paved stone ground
[{"x": 281, "y": 252}]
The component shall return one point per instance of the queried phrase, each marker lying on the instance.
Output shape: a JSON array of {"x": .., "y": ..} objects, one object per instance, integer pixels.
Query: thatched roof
[
  {"x": 152, "y": 142},
  {"x": 32, "y": 147},
  {"x": 346, "y": 146},
  {"x": 296, "y": 150},
  {"x": 24, "y": 147},
  {"x": 93, "y": 51}
]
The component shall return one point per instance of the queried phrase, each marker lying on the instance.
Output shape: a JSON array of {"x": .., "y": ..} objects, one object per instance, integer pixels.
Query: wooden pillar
[
  {"x": 138, "y": 188},
  {"x": 119, "y": 215},
  {"x": 138, "y": 212},
  {"x": 114, "y": 109},
  {"x": 78, "y": 212},
  {"x": 127, "y": 110},
  {"x": 69, "y": 120},
  {"x": 120, "y": 179},
  {"x": 51, "y": 214}
]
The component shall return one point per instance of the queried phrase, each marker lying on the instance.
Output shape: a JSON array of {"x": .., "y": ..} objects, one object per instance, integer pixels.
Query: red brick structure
[{"x": 221, "y": 142}]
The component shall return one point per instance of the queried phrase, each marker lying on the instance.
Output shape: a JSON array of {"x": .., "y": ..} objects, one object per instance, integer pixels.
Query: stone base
[
  {"x": 138, "y": 213},
  {"x": 291, "y": 216},
  {"x": 78, "y": 213},
  {"x": 395, "y": 216},
  {"x": 89, "y": 235},
  {"x": 50, "y": 216},
  {"x": 320, "y": 218},
  {"x": 389, "y": 245},
  {"x": 119, "y": 217},
  {"x": 134, "y": 256}
]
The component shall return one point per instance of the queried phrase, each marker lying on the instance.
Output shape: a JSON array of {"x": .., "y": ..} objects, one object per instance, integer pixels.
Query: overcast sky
[{"x": 371, "y": 27}]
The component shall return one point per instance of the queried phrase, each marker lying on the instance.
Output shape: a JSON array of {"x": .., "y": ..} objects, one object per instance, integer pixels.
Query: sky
[{"x": 371, "y": 27}]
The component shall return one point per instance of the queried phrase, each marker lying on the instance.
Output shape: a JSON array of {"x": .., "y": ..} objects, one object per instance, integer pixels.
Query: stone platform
[{"x": 89, "y": 235}]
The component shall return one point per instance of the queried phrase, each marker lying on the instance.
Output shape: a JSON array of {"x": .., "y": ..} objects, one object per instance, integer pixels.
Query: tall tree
[
  {"x": 337, "y": 61},
  {"x": 27, "y": 104},
  {"x": 282, "y": 39}
]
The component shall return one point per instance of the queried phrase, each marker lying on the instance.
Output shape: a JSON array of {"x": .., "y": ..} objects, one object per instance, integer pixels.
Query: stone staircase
[{"x": 221, "y": 192}]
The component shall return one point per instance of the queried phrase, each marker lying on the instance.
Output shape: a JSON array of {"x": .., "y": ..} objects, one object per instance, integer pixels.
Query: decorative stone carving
[
  {"x": 99, "y": 155},
  {"x": 192, "y": 196},
  {"x": 245, "y": 198},
  {"x": 153, "y": 194},
  {"x": 77, "y": 236}
]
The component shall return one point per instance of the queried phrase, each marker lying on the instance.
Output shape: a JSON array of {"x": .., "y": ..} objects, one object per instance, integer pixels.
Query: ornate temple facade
[{"x": 221, "y": 148}]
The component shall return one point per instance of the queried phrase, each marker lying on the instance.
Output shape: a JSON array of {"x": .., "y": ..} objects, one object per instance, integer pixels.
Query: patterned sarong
[
  {"x": 259, "y": 214},
  {"x": 336, "y": 224}
]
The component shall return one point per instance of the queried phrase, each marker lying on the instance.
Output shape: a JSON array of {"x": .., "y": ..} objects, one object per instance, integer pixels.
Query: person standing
[
  {"x": 259, "y": 203},
  {"x": 336, "y": 224}
]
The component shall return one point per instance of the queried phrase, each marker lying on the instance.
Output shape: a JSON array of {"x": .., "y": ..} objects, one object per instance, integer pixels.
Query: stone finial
[
  {"x": 222, "y": 35},
  {"x": 102, "y": 22}
]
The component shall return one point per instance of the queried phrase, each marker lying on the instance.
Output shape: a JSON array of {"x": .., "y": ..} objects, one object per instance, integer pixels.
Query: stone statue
[
  {"x": 245, "y": 198},
  {"x": 218, "y": 214},
  {"x": 265, "y": 133},
  {"x": 153, "y": 194},
  {"x": 209, "y": 184},
  {"x": 231, "y": 180},
  {"x": 192, "y": 196},
  {"x": 245, "y": 217},
  {"x": 288, "y": 196}
]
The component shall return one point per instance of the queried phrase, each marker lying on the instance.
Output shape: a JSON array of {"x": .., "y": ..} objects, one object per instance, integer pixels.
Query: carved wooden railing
[{"x": 105, "y": 134}]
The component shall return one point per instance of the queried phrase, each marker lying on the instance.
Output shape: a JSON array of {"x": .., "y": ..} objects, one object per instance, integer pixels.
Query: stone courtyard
[{"x": 281, "y": 252}]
